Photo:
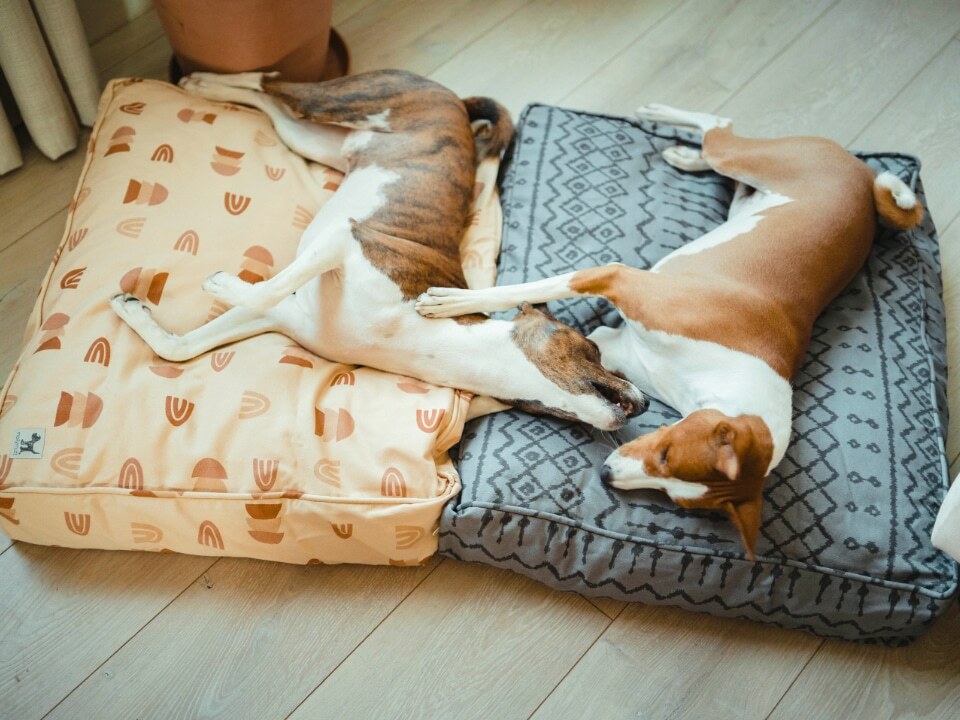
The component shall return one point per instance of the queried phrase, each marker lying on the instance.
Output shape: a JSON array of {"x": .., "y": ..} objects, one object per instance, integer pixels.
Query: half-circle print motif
[
  {"x": 67, "y": 462},
  {"x": 265, "y": 473},
  {"x": 235, "y": 204},
  {"x": 225, "y": 161},
  {"x": 131, "y": 475},
  {"x": 77, "y": 523},
  {"x": 163, "y": 153},
  {"x": 209, "y": 535},
  {"x": 344, "y": 378},
  {"x": 253, "y": 404},
  {"x": 131, "y": 227},
  {"x": 220, "y": 360},
  {"x": 145, "y": 533},
  {"x": 328, "y": 472},
  {"x": 121, "y": 140},
  {"x": 392, "y": 483},
  {"x": 429, "y": 421},
  {"x": 178, "y": 410},
  {"x": 189, "y": 242},
  {"x": 343, "y": 530},
  {"x": 71, "y": 280},
  {"x": 141, "y": 192},
  {"x": 76, "y": 237},
  {"x": 98, "y": 352},
  {"x": 408, "y": 535},
  {"x": 78, "y": 408}
]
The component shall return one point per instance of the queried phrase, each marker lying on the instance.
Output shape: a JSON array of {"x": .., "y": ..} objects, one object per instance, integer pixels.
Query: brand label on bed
[{"x": 28, "y": 443}]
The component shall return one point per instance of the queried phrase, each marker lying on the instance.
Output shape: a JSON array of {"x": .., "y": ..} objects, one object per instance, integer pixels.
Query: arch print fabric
[
  {"x": 257, "y": 449},
  {"x": 844, "y": 548}
]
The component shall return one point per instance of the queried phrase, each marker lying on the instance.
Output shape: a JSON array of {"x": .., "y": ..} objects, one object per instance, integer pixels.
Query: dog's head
[
  {"x": 707, "y": 461},
  {"x": 578, "y": 387}
]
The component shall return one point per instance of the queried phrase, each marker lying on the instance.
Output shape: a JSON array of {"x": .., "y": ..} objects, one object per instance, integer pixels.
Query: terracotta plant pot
[{"x": 292, "y": 36}]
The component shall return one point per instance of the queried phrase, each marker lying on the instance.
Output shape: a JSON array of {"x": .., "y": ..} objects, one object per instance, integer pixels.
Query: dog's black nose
[
  {"x": 606, "y": 475},
  {"x": 640, "y": 406}
]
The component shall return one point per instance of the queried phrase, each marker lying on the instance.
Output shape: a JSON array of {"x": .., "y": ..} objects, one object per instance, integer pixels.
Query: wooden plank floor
[{"x": 122, "y": 635}]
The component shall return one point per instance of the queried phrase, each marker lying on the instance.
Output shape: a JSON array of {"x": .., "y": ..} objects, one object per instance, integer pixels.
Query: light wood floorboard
[
  {"x": 244, "y": 624},
  {"x": 844, "y": 69},
  {"x": 23, "y": 266},
  {"x": 419, "y": 36},
  {"x": 851, "y": 681},
  {"x": 924, "y": 119},
  {"x": 471, "y": 641},
  {"x": 547, "y": 48},
  {"x": 697, "y": 57},
  {"x": 661, "y": 664},
  {"x": 63, "y": 612},
  {"x": 95, "y": 634}
]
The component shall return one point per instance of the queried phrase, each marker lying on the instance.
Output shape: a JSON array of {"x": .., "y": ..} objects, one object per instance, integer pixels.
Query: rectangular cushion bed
[
  {"x": 844, "y": 548},
  {"x": 258, "y": 449}
]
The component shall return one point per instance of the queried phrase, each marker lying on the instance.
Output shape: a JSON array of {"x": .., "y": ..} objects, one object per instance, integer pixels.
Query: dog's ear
[
  {"x": 726, "y": 460},
  {"x": 526, "y": 308},
  {"x": 542, "y": 307},
  {"x": 746, "y": 516},
  {"x": 481, "y": 129}
]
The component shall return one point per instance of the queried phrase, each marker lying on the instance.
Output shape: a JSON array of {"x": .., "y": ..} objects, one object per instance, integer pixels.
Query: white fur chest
[{"x": 691, "y": 375}]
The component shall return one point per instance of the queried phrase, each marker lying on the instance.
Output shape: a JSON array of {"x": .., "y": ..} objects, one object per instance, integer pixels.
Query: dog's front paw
[
  {"x": 234, "y": 291},
  {"x": 130, "y": 309},
  {"x": 193, "y": 83},
  {"x": 685, "y": 158},
  {"x": 226, "y": 287},
  {"x": 444, "y": 302}
]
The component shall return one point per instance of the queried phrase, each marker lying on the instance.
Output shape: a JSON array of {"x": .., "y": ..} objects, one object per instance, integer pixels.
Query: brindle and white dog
[{"x": 409, "y": 148}]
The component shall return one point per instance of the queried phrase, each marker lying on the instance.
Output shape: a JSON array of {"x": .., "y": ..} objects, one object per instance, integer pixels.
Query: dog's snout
[
  {"x": 606, "y": 474},
  {"x": 639, "y": 407}
]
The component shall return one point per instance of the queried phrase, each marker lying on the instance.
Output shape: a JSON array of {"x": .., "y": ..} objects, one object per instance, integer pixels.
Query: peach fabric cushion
[{"x": 258, "y": 449}]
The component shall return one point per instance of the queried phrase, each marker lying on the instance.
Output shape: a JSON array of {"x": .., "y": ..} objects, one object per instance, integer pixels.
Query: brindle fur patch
[{"x": 426, "y": 139}]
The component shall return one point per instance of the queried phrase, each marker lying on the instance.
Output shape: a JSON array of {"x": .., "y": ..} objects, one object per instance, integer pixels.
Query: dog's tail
[
  {"x": 896, "y": 203},
  {"x": 492, "y": 126}
]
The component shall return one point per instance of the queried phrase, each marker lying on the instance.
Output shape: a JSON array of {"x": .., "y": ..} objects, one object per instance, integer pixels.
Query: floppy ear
[
  {"x": 746, "y": 516},
  {"x": 726, "y": 461},
  {"x": 542, "y": 307},
  {"x": 481, "y": 128}
]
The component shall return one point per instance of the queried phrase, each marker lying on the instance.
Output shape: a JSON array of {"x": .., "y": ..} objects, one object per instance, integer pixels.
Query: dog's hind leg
[
  {"x": 681, "y": 118},
  {"x": 314, "y": 141},
  {"x": 233, "y": 325},
  {"x": 322, "y": 249}
]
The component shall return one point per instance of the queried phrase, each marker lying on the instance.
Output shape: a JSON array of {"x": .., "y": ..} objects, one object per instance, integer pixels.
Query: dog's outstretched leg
[
  {"x": 314, "y": 141},
  {"x": 681, "y": 118},
  {"x": 439, "y": 302},
  {"x": 235, "y": 324},
  {"x": 683, "y": 157}
]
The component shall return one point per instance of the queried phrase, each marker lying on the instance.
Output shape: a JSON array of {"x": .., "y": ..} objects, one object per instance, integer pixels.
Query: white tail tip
[{"x": 902, "y": 195}]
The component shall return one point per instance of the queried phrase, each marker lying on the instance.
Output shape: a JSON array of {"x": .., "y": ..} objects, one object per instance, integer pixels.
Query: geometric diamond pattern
[{"x": 845, "y": 536}]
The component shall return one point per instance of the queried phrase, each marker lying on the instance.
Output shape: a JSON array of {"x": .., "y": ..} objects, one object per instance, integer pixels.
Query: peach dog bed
[{"x": 259, "y": 449}]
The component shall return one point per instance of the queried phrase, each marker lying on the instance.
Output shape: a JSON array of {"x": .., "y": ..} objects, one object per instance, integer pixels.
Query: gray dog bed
[{"x": 844, "y": 548}]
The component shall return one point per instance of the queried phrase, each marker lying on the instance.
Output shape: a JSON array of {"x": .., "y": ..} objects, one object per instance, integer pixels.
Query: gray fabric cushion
[{"x": 844, "y": 544}]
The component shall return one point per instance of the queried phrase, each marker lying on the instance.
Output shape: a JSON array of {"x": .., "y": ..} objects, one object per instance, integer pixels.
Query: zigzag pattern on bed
[{"x": 845, "y": 541}]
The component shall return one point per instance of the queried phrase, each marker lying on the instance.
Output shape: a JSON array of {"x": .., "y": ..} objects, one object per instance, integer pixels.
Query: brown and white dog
[
  {"x": 719, "y": 327},
  {"x": 409, "y": 148}
]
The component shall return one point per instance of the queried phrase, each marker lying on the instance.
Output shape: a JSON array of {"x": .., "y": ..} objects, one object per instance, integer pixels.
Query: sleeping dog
[
  {"x": 409, "y": 148},
  {"x": 718, "y": 327}
]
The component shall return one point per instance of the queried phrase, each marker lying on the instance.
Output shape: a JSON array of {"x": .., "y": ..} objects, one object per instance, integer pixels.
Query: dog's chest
[{"x": 356, "y": 314}]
